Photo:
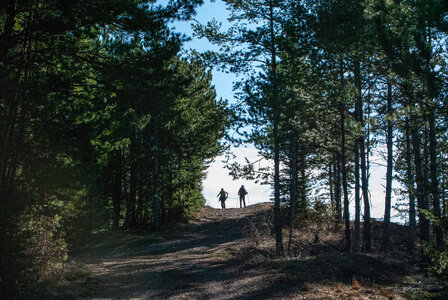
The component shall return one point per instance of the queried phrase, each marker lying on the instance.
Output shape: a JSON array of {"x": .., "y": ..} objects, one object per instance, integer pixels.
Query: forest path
[
  {"x": 192, "y": 261},
  {"x": 206, "y": 259}
]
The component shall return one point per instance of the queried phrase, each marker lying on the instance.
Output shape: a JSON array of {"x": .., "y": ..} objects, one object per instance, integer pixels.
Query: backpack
[
  {"x": 222, "y": 195},
  {"x": 243, "y": 191}
]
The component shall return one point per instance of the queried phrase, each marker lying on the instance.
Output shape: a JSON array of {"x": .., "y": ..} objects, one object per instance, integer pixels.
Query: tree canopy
[{"x": 106, "y": 124}]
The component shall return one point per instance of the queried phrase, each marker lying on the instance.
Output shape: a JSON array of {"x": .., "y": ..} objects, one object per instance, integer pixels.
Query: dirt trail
[
  {"x": 205, "y": 259},
  {"x": 190, "y": 263}
]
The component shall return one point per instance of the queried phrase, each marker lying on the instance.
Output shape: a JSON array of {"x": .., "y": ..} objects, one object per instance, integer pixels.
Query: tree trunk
[
  {"x": 425, "y": 167},
  {"x": 292, "y": 187},
  {"x": 366, "y": 237},
  {"x": 127, "y": 218},
  {"x": 410, "y": 184},
  {"x": 360, "y": 144},
  {"x": 141, "y": 197},
  {"x": 357, "y": 233},
  {"x": 276, "y": 120},
  {"x": 303, "y": 183},
  {"x": 434, "y": 179},
  {"x": 388, "y": 200},
  {"x": 422, "y": 201},
  {"x": 445, "y": 185},
  {"x": 344, "y": 167},
  {"x": 337, "y": 194},
  {"x": 156, "y": 204},
  {"x": 277, "y": 214},
  {"x": 132, "y": 183},
  {"x": 344, "y": 183},
  {"x": 116, "y": 188},
  {"x": 331, "y": 185}
]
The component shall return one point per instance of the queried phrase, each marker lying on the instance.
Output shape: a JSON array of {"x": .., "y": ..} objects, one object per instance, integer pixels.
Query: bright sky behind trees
[{"x": 217, "y": 175}]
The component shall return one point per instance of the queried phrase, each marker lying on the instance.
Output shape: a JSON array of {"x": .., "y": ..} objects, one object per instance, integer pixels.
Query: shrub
[{"x": 439, "y": 264}]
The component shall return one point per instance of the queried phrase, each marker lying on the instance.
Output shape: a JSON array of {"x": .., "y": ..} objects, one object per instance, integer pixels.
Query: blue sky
[{"x": 217, "y": 175}]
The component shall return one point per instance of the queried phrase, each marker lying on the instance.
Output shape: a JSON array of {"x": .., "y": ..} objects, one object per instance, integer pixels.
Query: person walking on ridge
[
  {"x": 242, "y": 192},
  {"x": 222, "y": 197}
]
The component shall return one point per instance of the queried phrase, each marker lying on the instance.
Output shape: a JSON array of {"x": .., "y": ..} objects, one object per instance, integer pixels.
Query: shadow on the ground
[{"x": 206, "y": 261}]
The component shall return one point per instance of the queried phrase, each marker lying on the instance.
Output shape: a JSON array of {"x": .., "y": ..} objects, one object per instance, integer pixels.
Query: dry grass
[
  {"x": 355, "y": 284},
  {"x": 388, "y": 293},
  {"x": 316, "y": 259}
]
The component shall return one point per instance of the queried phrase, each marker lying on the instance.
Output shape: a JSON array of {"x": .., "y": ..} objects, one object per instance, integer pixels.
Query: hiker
[
  {"x": 242, "y": 192},
  {"x": 222, "y": 197}
]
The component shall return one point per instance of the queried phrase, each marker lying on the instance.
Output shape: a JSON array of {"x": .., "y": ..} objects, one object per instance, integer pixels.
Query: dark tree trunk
[
  {"x": 360, "y": 144},
  {"x": 422, "y": 201},
  {"x": 432, "y": 92},
  {"x": 140, "y": 195},
  {"x": 410, "y": 184},
  {"x": 344, "y": 183},
  {"x": 125, "y": 189},
  {"x": 331, "y": 185},
  {"x": 303, "y": 183},
  {"x": 366, "y": 236},
  {"x": 389, "y": 169},
  {"x": 162, "y": 199},
  {"x": 277, "y": 214},
  {"x": 292, "y": 188},
  {"x": 170, "y": 192},
  {"x": 434, "y": 179},
  {"x": 357, "y": 233},
  {"x": 276, "y": 114},
  {"x": 155, "y": 174},
  {"x": 116, "y": 188},
  {"x": 425, "y": 167},
  {"x": 344, "y": 167},
  {"x": 445, "y": 185},
  {"x": 337, "y": 194},
  {"x": 132, "y": 183}
]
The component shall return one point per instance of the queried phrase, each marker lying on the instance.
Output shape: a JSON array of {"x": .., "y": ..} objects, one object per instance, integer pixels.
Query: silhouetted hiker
[
  {"x": 242, "y": 192},
  {"x": 222, "y": 197}
]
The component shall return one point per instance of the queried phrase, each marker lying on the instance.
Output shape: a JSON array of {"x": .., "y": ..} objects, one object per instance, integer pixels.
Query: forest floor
[{"x": 228, "y": 254}]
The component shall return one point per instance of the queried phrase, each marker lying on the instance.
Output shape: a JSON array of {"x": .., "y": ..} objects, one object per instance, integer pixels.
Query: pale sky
[{"x": 217, "y": 175}]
